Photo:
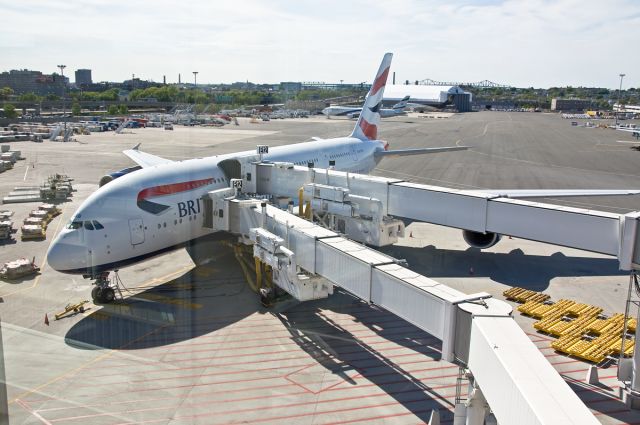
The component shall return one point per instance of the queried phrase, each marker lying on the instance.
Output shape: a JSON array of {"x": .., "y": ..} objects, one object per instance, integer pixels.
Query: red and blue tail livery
[{"x": 367, "y": 126}]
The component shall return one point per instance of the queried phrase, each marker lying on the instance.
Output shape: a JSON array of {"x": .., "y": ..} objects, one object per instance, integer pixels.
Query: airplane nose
[{"x": 67, "y": 257}]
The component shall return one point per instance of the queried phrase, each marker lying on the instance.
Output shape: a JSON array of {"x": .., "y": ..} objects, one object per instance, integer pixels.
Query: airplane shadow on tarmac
[
  {"x": 202, "y": 300},
  {"x": 514, "y": 268}
]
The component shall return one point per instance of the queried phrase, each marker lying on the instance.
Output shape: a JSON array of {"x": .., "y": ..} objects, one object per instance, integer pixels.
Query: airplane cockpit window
[
  {"x": 88, "y": 225},
  {"x": 74, "y": 225},
  {"x": 97, "y": 225}
]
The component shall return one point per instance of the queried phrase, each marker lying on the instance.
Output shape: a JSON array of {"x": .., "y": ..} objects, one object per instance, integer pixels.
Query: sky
[{"x": 525, "y": 43}]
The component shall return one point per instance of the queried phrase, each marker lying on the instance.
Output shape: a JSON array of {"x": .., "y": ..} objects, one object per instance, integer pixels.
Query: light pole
[
  {"x": 619, "y": 93},
  {"x": 195, "y": 82},
  {"x": 64, "y": 111}
]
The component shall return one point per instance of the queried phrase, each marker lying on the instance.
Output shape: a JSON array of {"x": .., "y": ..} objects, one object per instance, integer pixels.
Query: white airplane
[
  {"x": 635, "y": 132},
  {"x": 155, "y": 207},
  {"x": 354, "y": 112}
]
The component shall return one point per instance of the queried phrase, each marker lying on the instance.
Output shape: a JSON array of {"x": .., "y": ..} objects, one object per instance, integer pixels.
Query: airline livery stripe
[
  {"x": 369, "y": 130},
  {"x": 380, "y": 82},
  {"x": 169, "y": 189}
]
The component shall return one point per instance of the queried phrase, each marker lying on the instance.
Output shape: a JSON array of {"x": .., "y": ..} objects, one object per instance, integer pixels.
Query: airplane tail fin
[
  {"x": 402, "y": 104},
  {"x": 367, "y": 126}
]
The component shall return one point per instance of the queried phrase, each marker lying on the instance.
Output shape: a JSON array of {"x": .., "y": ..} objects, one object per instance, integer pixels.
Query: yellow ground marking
[
  {"x": 168, "y": 300},
  {"x": 165, "y": 278}
]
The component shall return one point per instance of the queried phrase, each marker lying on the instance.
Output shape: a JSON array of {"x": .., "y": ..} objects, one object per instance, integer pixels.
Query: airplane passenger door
[
  {"x": 354, "y": 154},
  {"x": 136, "y": 229}
]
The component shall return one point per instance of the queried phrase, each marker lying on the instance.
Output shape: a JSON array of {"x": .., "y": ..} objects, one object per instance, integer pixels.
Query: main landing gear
[{"x": 105, "y": 288}]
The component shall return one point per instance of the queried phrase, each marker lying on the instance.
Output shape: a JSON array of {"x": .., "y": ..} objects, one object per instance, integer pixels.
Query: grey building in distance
[
  {"x": 26, "y": 81},
  {"x": 83, "y": 77}
]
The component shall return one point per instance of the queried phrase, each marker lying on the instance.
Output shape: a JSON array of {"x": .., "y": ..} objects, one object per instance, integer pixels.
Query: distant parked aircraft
[{"x": 354, "y": 112}]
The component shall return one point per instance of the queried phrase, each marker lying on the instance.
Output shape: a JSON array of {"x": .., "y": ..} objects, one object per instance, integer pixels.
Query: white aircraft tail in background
[{"x": 402, "y": 104}]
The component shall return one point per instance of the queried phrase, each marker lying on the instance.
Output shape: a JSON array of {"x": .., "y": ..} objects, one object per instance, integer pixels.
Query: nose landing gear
[{"x": 105, "y": 288}]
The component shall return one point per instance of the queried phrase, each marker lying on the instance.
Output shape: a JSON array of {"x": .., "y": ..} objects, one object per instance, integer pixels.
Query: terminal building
[
  {"x": 435, "y": 96},
  {"x": 570, "y": 104}
]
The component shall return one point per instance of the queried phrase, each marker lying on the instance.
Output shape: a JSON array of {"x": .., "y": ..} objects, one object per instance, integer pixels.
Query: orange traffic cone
[{"x": 46, "y": 319}]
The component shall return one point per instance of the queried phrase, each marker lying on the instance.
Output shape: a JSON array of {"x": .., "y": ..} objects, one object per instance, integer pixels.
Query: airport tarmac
[{"x": 194, "y": 345}]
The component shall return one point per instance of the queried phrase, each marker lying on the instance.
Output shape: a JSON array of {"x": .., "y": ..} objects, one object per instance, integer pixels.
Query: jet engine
[
  {"x": 481, "y": 240},
  {"x": 112, "y": 176}
]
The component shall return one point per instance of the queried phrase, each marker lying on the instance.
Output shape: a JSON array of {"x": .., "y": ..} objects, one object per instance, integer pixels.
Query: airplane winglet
[{"x": 136, "y": 147}]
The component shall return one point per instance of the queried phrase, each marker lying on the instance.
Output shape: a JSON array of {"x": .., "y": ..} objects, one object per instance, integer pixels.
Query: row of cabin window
[
  {"x": 175, "y": 222},
  {"x": 339, "y": 155},
  {"x": 315, "y": 160}
]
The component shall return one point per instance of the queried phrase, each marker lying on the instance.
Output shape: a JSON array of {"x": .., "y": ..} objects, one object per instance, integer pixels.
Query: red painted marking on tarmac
[
  {"x": 366, "y": 375},
  {"x": 265, "y": 353},
  {"x": 289, "y": 341},
  {"x": 258, "y": 408},
  {"x": 240, "y": 364},
  {"x": 610, "y": 412},
  {"x": 396, "y": 415},
  {"x": 539, "y": 340},
  {"x": 293, "y": 416},
  {"x": 402, "y": 325},
  {"x": 360, "y": 308},
  {"x": 425, "y": 350},
  {"x": 254, "y": 388},
  {"x": 288, "y": 337},
  {"x": 279, "y": 377},
  {"x": 383, "y": 318},
  {"x": 544, "y": 337},
  {"x": 611, "y": 399},
  {"x": 568, "y": 361},
  {"x": 319, "y": 357}
]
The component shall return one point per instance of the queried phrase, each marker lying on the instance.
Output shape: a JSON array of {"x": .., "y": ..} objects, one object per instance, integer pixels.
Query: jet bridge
[
  {"x": 477, "y": 331},
  {"x": 364, "y": 207}
]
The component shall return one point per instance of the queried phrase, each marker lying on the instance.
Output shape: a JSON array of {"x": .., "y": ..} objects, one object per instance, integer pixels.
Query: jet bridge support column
[
  {"x": 629, "y": 368},
  {"x": 477, "y": 407}
]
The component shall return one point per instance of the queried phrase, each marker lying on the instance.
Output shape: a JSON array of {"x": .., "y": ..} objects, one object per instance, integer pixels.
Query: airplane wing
[
  {"x": 144, "y": 159},
  {"x": 543, "y": 193},
  {"x": 634, "y": 131},
  {"x": 420, "y": 151}
]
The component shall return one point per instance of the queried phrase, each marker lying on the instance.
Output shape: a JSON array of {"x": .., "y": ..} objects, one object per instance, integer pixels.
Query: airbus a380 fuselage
[{"x": 159, "y": 208}]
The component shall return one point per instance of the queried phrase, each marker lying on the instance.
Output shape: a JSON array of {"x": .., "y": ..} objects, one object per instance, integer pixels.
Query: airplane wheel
[
  {"x": 95, "y": 294},
  {"x": 108, "y": 295}
]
